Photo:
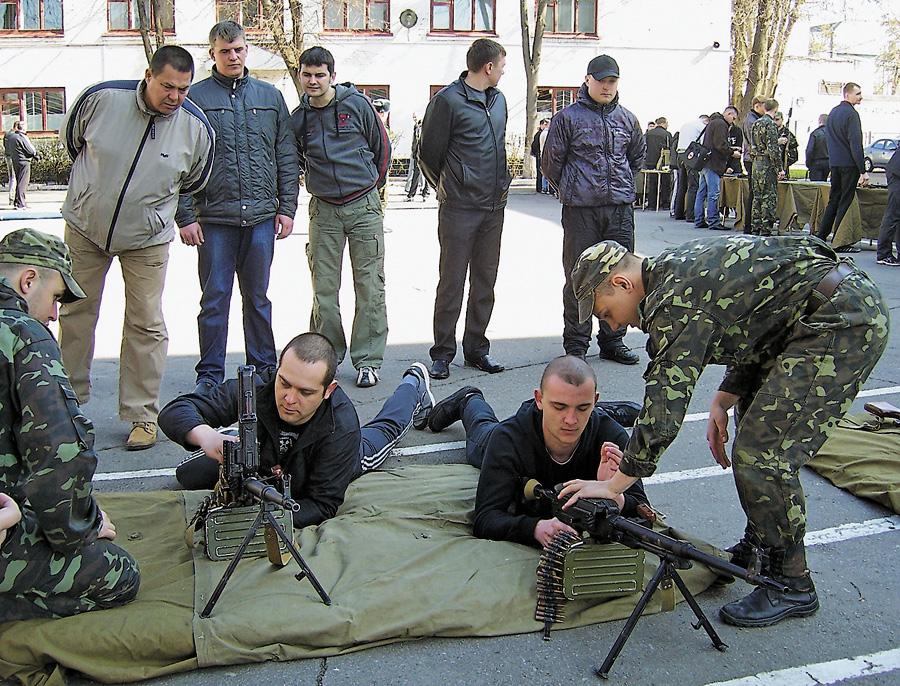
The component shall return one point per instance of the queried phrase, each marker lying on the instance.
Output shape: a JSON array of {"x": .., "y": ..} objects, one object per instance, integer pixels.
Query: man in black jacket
[
  {"x": 250, "y": 200},
  {"x": 845, "y": 155},
  {"x": 716, "y": 140},
  {"x": 308, "y": 428},
  {"x": 463, "y": 154},
  {"x": 557, "y": 436},
  {"x": 21, "y": 151},
  {"x": 594, "y": 150},
  {"x": 817, "y": 152},
  {"x": 890, "y": 224}
]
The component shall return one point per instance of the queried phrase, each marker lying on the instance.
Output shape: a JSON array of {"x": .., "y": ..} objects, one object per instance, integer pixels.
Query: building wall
[{"x": 664, "y": 71}]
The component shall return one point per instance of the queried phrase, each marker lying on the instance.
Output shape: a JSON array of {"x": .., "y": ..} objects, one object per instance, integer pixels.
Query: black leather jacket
[{"x": 462, "y": 151}]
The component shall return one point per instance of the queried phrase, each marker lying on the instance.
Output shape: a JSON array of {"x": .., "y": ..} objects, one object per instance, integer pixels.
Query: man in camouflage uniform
[
  {"x": 59, "y": 560},
  {"x": 787, "y": 143},
  {"x": 766, "y": 170},
  {"x": 799, "y": 333}
]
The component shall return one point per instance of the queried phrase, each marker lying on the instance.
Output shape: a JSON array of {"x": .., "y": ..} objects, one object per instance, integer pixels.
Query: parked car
[{"x": 878, "y": 154}]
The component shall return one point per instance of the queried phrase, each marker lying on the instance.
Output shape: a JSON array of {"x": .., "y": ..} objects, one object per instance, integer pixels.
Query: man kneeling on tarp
[
  {"x": 59, "y": 559},
  {"x": 558, "y": 436},
  {"x": 308, "y": 427}
]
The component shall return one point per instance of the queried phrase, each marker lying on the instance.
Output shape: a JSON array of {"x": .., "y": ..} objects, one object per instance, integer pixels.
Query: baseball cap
[
  {"x": 602, "y": 66},
  {"x": 28, "y": 246},
  {"x": 592, "y": 267},
  {"x": 381, "y": 105}
]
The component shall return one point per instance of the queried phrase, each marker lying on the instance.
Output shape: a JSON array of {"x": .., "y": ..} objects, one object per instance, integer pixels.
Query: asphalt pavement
[{"x": 855, "y": 575}]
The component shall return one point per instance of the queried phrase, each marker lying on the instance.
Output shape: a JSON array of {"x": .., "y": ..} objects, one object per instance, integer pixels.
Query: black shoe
[
  {"x": 485, "y": 364},
  {"x": 425, "y": 401},
  {"x": 848, "y": 248},
  {"x": 889, "y": 261},
  {"x": 440, "y": 369},
  {"x": 624, "y": 412},
  {"x": 701, "y": 225},
  {"x": 621, "y": 353},
  {"x": 450, "y": 409},
  {"x": 748, "y": 552},
  {"x": 765, "y": 607},
  {"x": 581, "y": 354}
]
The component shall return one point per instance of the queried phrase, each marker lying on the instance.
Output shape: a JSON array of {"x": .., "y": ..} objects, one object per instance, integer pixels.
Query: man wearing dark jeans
[
  {"x": 557, "y": 436},
  {"x": 688, "y": 179},
  {"x": 890, "y": 225},
  {"x": 462, "y": 153},
  {"x": 845, "y": 155}
]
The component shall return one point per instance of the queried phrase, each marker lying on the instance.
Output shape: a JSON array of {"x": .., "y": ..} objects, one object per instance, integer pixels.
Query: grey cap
[
  {"x": 592, "y": 267},
  {"x": 28, "y": 246}
]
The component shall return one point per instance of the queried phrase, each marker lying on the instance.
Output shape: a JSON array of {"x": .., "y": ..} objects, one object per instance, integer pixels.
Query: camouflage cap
[
  {"x": 592, "y": 267},
  {"x": 27, "y": 246}
]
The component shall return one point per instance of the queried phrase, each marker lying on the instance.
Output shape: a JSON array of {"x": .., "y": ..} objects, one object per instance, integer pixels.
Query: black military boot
[
  {"x": 765, "y": 607},
  {"x": 748, "y": 552}
]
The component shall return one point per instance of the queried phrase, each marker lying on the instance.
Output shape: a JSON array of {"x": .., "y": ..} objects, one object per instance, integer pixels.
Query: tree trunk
[
  {"x": 531, "y": 55},
  {"x": 143, "y": 26},
  {"x": 289, "y": 46}
]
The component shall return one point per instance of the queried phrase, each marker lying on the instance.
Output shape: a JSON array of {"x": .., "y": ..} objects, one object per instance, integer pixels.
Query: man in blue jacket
[
  {"x": 594, "y": 150},
  {"x": 250, "y": 200},
  {"x": 845, "y": 155},
  {"x": 345, "y": 151}
]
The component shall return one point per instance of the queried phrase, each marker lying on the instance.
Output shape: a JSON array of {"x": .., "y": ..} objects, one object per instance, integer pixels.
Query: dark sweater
[
  {"x": 516, "y": 452},
  {"x": 844, "y": 132}
]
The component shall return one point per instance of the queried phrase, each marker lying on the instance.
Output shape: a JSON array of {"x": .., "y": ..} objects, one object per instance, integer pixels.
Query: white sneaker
[{"x": 367, "y": 377}]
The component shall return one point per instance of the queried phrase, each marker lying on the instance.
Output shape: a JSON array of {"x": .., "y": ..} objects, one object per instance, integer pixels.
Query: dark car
[{"x": 878, "y": 154}]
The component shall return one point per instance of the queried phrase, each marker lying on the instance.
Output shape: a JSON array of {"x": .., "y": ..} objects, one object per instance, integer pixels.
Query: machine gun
[
  {"x": 240, "y": 485},
  {"x": 600, "y": 519}
]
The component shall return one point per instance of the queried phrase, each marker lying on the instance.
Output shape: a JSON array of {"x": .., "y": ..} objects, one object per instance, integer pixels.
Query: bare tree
[
  {"x": 889, "y": 59},
  {"x": 760, "y": 30},
  {"x": 288, "y": 41},
  {"x": 150, "y": 13},
  {"x": 531, "y": 54}
]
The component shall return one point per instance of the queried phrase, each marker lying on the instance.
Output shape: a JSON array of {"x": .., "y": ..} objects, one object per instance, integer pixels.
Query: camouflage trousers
[
  {"x": 803, "y": 393},
  {"x": 38, "y": 582},
  {"x": 764, "y": 190}
]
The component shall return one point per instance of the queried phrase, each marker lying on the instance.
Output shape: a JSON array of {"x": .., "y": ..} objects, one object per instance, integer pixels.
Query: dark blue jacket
[
  {"x": 892, "y": 169},
  {"x": 462, "y": 151},
  {"x": 255, "y": 173},
  {"x": 844, "y": 133},
  {"x": 593, "y": 153}
]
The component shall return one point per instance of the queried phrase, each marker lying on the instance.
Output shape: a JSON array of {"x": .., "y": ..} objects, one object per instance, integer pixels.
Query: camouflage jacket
[
  {"x": 47, "y": 454},
  {"x": 730, "y": 300},
  {"x": 764, "y": 141}
]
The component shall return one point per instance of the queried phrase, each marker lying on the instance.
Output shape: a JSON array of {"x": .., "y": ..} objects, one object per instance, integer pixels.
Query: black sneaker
[
  {"x": 848, "y": 248},
  {"x": 426, "y": 400},
  {"x": 621, "y": 353},
  {"x": 449, "y": 410},
  {"x": 765, "y": 607},
  {"x": 625, "y": 412},
  {"x": 889, "y": 261}
]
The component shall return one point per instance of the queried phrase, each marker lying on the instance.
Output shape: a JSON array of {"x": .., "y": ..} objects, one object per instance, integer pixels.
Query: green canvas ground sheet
[
  {"x": 399, "y": 562},
  {"x": 864, "y": 461}
]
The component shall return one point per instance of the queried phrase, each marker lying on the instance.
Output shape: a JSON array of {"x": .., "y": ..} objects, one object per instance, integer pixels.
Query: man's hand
[
  {"x": 107, "y": 528},
  {"x": 191, "y": 234},
  {"x": 781, "y": 175},
  {"x": 283, "y": 226},
  {"x": 209, "y": 440},
  {"x": 9, "y": 514},
  {"x": 610, "y": 457},
  {"x": 546, "y": 529},
  {"x": 864, "y": 179},
  {"x": 717, "y": 428}
]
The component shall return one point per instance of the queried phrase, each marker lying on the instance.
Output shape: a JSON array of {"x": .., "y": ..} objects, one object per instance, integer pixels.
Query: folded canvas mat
[
  {"x": 399, "y": 562},
  {"x": 862, "y": 455}
]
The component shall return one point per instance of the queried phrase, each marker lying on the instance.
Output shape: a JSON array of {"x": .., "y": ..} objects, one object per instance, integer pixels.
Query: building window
[
  {"x": 247, "y": 13},
  {"x": 463, "y": 15},
  {"x": 41, "y": 109},
  {"x": 376, "y": 92},
  {"x": 572, "y": 16},
  {"x": 357, "y": 15},
  {"x": 552, "y": 100},
  {"x": 31, "y": 15},
  {"x": 123, "y": 14}
]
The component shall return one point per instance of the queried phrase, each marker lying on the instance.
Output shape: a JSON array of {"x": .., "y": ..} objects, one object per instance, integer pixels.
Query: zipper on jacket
[{"x": 151, "y": 129}]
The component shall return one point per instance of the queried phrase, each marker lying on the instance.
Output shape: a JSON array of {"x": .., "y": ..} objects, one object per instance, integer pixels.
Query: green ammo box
[
  {"x": 593, "y": 570},
  {"x": 225, "y": 528}
]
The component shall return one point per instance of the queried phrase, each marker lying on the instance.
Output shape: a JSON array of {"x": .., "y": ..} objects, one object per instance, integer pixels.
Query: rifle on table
[
  {"x": 599, "y": 518},
  {"x": 240, "y": 486}
]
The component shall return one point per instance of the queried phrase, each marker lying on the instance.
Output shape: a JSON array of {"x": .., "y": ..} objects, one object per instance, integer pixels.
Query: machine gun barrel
[
  {"x": 601, "y": 519},
  {"x": 270, "y": 494}
]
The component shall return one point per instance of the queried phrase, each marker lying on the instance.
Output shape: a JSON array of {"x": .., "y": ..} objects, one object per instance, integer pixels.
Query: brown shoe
[{"x": 142, "y": 436}]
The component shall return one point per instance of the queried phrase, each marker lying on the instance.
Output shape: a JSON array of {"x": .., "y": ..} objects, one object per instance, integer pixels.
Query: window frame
[
  {"x": 461, "y": 32},
  {"x": 132, "y": 19},
  {"x": 384, "y": 91},
  {"x": 258, "y": 28},
  {"x": 552, "y": 92},
  {"x": 552, "y": 30},
  {"x": 42, "y": 30},
  {"x": 20, "y": 92},
  {"x": 367, "y": 30}
]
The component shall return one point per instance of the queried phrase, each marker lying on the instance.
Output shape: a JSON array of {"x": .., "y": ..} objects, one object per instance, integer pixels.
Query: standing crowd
[{"x": 224, "y": 165}]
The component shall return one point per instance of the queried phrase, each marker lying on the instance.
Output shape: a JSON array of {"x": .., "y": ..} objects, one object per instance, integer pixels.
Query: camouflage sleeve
[
  {"x": 56, "y": 445},
  {"x": 680, "y": 345}
]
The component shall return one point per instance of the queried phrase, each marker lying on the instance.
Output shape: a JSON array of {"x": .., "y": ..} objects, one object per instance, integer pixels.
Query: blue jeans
[
  {"x": 708, "y": 191},
  {"x": 247, "y": 252}
]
